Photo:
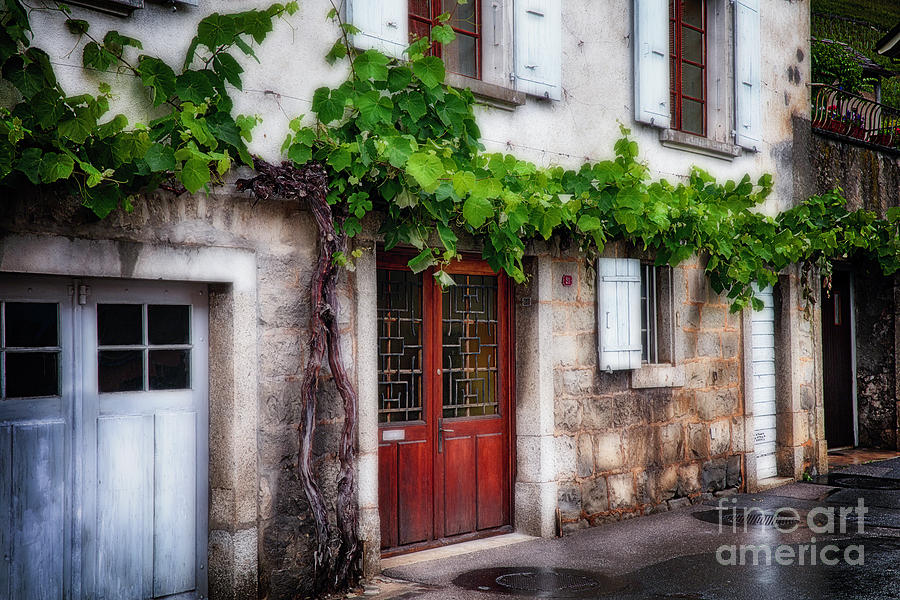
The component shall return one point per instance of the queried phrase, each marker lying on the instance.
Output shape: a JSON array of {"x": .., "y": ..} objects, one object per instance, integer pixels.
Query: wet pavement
[{"x": 704, "y": 551}]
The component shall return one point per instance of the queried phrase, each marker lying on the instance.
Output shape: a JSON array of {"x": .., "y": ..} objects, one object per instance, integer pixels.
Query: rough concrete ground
[{"x": 674, "y": 554}]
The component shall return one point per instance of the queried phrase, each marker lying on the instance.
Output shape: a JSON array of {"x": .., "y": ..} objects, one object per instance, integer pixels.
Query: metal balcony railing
[{"x": 843, "y": 113}]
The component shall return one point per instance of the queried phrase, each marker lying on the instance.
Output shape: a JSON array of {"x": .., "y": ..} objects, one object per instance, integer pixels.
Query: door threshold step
[
  {"x": 772, "y": 482},
  {"x": 489, "y": 543}
]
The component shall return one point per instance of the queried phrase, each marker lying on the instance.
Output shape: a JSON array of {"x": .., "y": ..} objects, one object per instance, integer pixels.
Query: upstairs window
[
  {"x": 687, "y": 65},
  {"x": 462, "y": 55},
  {"x": 526, "y": 57},
  {"x": 680, "y": 47}
]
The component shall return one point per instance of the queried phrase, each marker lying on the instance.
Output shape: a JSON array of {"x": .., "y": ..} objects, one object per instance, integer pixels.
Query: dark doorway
[{"x": 837, "y": 358}]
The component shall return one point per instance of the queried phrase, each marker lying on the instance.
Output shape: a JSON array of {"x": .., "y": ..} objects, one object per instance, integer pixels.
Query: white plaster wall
[{"x": 596, "y": 71}]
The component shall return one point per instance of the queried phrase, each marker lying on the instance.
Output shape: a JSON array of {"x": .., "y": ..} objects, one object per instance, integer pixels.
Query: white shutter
[
  {"x": 619, "y": 313},
  {"x": 384, "y": 25},
  {"x": 748, "y": 127},
  {"x": 538, "y": 47},
  {"x": 651, "y": 62}
]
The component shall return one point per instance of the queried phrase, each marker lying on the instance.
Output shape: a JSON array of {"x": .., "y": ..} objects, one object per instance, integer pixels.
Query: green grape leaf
[
  {"x": 422, "y": 261},
  {"x": 227, "y": 66},
  {"x": 79, "y": 127},
  {"x": 429, "y": 70},
  {"x": 158, "y": 76},
  {"x": 329, "y": 104},
  {"x": 194, "y": 86},
  {"x": 371, "y": 64},
  {"x": 160, "y": 158},
  {"x": 425, "y": 168},
  {"x": 444, "y": 279},
  {"x": 477, "y": 210},
  {"x": 194, "y": 173},
  {"x": 442, "y": 34},
  {"x": 216, "y": 30},
  {"x": 55, "y": 166},
  {"x": 29, "y": 164}
]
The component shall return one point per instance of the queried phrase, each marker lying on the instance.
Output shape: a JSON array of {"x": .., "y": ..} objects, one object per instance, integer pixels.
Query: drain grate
[
  {"x": 541, "y": 582},
  {"x": 863, "y": 482},
  {"x": 749, "y": 518},
  {"x": 546, "y": 581}
]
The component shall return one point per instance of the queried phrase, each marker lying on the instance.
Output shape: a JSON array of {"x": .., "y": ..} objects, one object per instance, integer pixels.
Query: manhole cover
[
  {"x": 740, "y": 518},
  {"x": 546, "y": 581},
  {"x": 540, "y": 582},
  {"x": 863, "y": 482}
]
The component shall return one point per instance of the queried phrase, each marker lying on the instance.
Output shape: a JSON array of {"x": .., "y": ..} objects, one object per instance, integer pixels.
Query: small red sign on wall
[{"x": 567, "y": 280}]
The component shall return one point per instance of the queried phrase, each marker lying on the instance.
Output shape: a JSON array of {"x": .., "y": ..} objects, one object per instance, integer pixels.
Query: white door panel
[{"x": 762, "y": 325}]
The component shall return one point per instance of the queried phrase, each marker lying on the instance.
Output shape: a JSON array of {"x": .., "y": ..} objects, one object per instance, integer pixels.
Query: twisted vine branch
[{"x": 336, "y": 568}]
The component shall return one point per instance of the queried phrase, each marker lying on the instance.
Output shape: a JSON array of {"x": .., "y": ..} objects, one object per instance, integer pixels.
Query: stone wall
[
  {"x": 260, "y": 530},
  {"x": 622, "y": 451}
]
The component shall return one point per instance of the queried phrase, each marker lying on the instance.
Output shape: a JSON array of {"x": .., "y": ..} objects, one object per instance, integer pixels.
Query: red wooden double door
[{"x": 444, "y": 404}]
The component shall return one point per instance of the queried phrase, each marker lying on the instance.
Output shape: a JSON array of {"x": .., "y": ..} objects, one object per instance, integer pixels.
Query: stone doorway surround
[
  {"x": 535, "y": 486},
  {"x": 233, "y": 412},
  {"x": 798, "y": 380}
]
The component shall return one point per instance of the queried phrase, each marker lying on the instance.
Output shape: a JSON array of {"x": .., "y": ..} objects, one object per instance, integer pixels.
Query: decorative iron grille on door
[
  {"x": 470, "y": 334},
  {"x": 399, "y": 346}
]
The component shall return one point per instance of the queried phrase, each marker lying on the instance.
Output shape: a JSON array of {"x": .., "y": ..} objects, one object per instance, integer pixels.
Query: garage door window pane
[
  {"x": 31, "y": 325},
  {"x": 29, "y": 349},
  {"x": 31, "y": 374},
  {"x": 120, "y": 324},
  {"x": 169, "y": 369},
  {"x": 121, "y": 370},
  {"x": 168, "y": 324}
]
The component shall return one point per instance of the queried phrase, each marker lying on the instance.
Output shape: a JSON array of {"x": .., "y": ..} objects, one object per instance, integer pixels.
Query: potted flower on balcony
[
  {"x": 833, "y": 120},
  {"x": 854, "y": 121},
  {"x": 886, "y": 136}
]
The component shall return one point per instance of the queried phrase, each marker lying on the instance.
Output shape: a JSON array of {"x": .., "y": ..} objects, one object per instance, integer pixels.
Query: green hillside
[{"x": 883, "y": 14}]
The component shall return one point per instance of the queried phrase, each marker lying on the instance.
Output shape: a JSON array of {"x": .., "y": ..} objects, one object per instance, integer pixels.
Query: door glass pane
[
  {"x": 470, "y": 336},
  {"x": 120, "y": 324},
  {"x": 169, "y": 369},
  {"x": 31, "y": 325},
  {"x": 399, "y": 346},
  {"x": 168, "y": 324},
  {"x": 30, "y": 374},
  {"x": 120, "y": 370}
]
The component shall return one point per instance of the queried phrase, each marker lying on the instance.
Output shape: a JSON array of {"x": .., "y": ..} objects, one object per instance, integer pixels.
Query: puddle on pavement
[
  {"x": 862, "y": 482},
  {"x": 540, "y": 582}
]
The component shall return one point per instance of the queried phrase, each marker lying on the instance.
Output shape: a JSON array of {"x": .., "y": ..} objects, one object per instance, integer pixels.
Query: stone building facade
[{"x": 587, "y": 446}]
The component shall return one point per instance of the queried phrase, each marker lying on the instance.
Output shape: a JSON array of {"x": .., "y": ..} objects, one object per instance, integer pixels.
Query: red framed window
[
  {"x": 687, "y": 65},
  {"x": 463, "y": 55}
]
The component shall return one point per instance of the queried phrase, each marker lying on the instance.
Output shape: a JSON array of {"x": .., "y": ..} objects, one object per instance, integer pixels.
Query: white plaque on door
[{"x": 390, "y": 435}]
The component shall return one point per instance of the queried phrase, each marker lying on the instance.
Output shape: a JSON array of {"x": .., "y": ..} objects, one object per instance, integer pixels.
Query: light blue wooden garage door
[{"x": 103, "y": 440}]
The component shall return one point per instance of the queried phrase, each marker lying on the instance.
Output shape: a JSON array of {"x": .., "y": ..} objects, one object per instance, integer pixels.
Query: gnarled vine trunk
[{"x": 337, "y": 567}]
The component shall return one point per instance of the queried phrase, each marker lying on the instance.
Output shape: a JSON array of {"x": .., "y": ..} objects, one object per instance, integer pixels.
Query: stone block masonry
[{"x": 624, "y": 451}]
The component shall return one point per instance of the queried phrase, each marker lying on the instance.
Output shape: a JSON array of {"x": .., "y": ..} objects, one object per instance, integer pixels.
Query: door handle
[{"x": 441, "y": 432}]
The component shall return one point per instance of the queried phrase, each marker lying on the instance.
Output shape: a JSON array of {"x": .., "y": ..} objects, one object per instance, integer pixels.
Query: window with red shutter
[{"x": 688, "y": 65}]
